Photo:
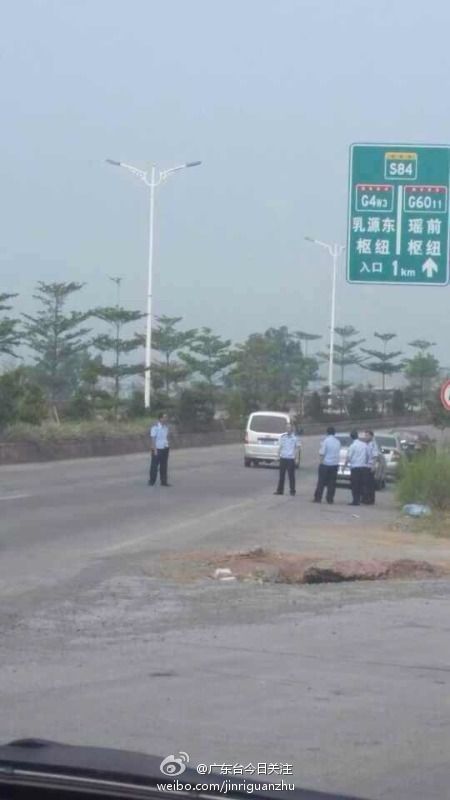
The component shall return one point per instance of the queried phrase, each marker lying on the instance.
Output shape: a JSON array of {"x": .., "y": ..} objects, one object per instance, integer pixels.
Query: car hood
[{"x": 39, "y": 763}]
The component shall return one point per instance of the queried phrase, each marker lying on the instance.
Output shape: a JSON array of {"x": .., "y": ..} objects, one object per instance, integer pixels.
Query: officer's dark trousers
[
  {"x": 159, "y": 461},
  {"x": 326, "y": 478},
  {"x": 357, "y": 484},
  {"x": 368, "y": 486},
  {"x": 287, "y": 465}
]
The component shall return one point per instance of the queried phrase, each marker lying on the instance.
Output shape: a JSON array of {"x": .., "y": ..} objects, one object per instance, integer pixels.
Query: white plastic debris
[
  {"x": 416, "y": 510},
  {"x": 221, "y": 573}
]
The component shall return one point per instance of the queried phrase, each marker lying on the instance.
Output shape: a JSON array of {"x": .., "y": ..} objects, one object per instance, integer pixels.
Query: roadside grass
[
  {"x": 435, "y": 524},
  {"x": 51, "y": 431},
  {"x": 426, "y": 480}
]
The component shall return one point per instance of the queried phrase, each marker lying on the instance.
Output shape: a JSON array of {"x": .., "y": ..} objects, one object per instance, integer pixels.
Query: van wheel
[{"x": 247, "y": 462}]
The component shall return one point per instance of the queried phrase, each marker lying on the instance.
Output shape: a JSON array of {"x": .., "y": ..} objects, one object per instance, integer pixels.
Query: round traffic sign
[{"x": 445, "y": 395}]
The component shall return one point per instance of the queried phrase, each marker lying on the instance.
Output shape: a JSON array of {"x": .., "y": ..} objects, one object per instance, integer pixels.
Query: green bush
[
  {"x": 10, "y": 394},
  {"x": 426, "y": 479},
  {"x": 398, "y": 405},
  {"x": 80, "y": 406},
  {"x": 135, "y": 404},
  {"x": 314, "y": 407},
  {"x": 195, "y": 408},
  {"x": 21, "y": 400},
  {"x": 236, "y": 409},
  {"x": 32, "y": 406},
  {"x": 357, "y": 405}
]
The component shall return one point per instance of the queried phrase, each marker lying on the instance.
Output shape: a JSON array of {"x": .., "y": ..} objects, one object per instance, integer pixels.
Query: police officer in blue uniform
[
  {"x": 288, "y": 446},
  {"x": 357, "y": 459},
  {"x": 369, "y": 483},
  {"x": 329, "y": 453},
  {"x": 159, "y": 435}
]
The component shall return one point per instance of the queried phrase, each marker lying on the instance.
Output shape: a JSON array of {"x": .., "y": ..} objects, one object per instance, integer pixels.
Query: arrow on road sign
[{"x": 429, "y": 267}]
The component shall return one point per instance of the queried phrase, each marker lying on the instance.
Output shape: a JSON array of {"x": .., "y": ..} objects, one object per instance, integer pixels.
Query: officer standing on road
[
  {"x": 330, "y": 449},
  {"x": 357, "y": 459},
  {"x": 288, "y": 447},
  {"x": 369, "y": 471},
  {"x": 159, "y": 434}
]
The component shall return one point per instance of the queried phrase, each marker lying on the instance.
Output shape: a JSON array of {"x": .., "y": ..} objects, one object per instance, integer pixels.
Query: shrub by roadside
[
  {"x": 426, "y": 480},
  {"x": 51, "y": 431}
]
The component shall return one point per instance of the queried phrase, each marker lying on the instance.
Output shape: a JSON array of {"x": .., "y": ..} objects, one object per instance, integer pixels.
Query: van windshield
[{"x": 265, "y": 423}]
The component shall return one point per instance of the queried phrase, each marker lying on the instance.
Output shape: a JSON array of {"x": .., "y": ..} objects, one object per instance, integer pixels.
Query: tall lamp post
[
  {"x": 334, "y": 250},
  {"x": 155, "y": 179}
]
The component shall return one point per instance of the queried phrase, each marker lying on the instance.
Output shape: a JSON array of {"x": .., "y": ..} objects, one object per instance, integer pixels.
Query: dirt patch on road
[{"x": 264, "y": 565}]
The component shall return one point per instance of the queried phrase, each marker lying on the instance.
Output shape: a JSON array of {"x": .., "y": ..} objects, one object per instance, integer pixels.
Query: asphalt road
[{"x": 349, "y": 683}]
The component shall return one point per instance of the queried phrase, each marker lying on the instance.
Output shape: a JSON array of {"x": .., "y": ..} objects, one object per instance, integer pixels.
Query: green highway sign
[{"x": 398, "y": 214}]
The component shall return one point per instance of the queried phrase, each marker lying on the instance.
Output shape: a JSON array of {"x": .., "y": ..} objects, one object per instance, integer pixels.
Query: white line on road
[
  {"x": 14, "y": 496},
  {"x": 195, "y": 520}
]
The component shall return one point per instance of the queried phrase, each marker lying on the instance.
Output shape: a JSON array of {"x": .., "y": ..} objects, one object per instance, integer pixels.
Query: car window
[{"x": 266, "y": 423}]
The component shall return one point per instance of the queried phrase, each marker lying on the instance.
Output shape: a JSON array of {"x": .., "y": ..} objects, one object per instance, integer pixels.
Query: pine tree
[
  {"x": 56, "y": 337},
  {"x": 209, "y": 355},
  {"x": 345, "y": 355},
  {"x": 113, "y": 343},
  {"x": 9, "y": 335},
  {"x": 421, "y": 369},
  {"x": 384, "y": 362},
  {"x": 169, "y": 341}
]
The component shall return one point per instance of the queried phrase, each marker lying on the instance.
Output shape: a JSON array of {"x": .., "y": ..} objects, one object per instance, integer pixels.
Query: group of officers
[{"x": 361, "y": 458}]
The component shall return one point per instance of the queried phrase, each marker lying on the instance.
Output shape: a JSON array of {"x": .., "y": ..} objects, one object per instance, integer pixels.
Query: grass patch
[
  {"x": 51, "y": 431},
  {"x": 436, "y": 524},
  {"x": 426, "y": 479}
]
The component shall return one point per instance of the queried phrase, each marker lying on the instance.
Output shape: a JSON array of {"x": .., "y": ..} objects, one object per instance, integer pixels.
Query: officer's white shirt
[
  {"x": 160, "y": 434},
  {"x": 288, "y": 445},
  {"x": 373, "y": 452},
  {"x": 358, "y": 454},
  {"x": 330, "y": 449}
]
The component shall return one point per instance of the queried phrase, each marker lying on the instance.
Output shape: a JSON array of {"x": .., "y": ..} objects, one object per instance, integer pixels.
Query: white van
[{"x": 262, "y": 436}]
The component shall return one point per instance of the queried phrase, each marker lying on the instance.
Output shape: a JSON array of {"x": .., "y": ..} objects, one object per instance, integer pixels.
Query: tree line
[{"x": 66, "y": 370}]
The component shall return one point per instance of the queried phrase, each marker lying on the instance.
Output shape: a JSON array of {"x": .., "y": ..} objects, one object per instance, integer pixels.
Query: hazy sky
[{"x": 268, "y": 94}]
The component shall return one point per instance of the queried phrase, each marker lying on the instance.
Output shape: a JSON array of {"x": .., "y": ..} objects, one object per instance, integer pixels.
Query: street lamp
[
  {"x": 335, "y": 251},
  {"x": 152, "y": 182}
]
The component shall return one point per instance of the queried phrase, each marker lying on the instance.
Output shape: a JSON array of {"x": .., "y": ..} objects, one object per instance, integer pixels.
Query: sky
[{"x": 269, "y": 94}]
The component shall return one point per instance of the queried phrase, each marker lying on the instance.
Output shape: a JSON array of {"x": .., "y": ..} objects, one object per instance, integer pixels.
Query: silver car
[
  {"x": 343, "y": 476},
  {"x": 390, "y": 446}
]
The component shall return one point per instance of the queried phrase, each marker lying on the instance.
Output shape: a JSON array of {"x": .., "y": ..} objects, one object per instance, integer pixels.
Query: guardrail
[
  {"x": 22, "y": 452},
  {"x": 376, "y": 424}
]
